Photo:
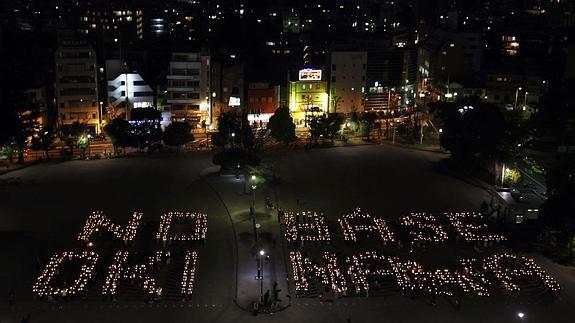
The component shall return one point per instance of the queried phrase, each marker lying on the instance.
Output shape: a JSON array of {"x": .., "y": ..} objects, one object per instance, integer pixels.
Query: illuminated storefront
[{"x": 308, "y": 95}]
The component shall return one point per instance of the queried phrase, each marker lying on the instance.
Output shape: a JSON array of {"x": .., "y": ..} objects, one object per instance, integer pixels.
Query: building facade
[
  {"x": 308, "y": 96},
  {"x": 76, "y": 86},
  {"x": 188, "y": 90},
  {"x": 128, "y": 91},
  {"x": 384, "y": 78},
  {"x": 262, "y": 101},
  {"x": 348, "y": 81}
]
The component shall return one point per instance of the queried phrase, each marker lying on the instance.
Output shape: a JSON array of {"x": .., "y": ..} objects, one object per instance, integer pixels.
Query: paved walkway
[{"x": 251, "y": 290}]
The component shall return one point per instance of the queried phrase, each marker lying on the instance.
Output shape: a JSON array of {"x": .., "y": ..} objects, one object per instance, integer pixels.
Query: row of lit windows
[
  {"x": 334, "y": 79},
  {"x": 261, "y": 100}
]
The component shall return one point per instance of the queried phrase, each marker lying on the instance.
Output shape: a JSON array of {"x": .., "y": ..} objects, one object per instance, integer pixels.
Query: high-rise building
[
  {"x": 113, "y": 25},
  {"x": 188, "y": 95},
  {"x": 76, "y": 86},
  {"x": 347, "y": 81},
  {"x": 384, "y": 77}
]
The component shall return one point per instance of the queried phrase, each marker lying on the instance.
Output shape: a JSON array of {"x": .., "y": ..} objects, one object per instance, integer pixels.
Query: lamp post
[
  {"x": 100, "y": 114},
  {"x": 253, "y": 208},
  {"x": 525, "y": 101},
  {"x": 516, "y": 97},
  {"x": 254, "y": 186},
  {"x": 89, "y": 148},
  {"x": 261, "y": 274}
]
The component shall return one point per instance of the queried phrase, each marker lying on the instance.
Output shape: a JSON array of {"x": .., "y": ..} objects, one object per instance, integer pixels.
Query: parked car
[
  {"x": 538, "y": 170},
  {"x": 529, "y": 161},
  {"x": 528, "y": 185}
]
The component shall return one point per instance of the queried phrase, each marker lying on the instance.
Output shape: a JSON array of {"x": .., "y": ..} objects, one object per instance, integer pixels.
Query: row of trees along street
[
  {"x": 144, "y": 132},
  {"x": 239, "y": 143},
  {"x": 20, "y": 130},
  {"x": 480, "y": 135}
]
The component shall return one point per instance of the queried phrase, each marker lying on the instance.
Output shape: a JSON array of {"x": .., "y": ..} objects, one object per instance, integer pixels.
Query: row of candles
[
  {"x": 358, "y": 221},
  {"x": 121, "y": 270},
  {"x": 44, "y": 286},
  {"x": 472, "y": 227},
  {"x": 521, "y": 267},
  {"x": 98, "y": 220},
  {"x": 306, "y": 226},
  {"x": 470, "y": 276},
  {"x": 200, "y": 221},
  {"x": 423, "y": 227},
  {"x": 189, "y": 275},
  {"x": 118, "y": 271}
]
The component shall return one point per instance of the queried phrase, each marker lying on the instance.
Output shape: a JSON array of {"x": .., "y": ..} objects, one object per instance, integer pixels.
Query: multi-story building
[
  {"x": 517, "y": 88},
  {"x": 262, "y": 101},
  {"x": 307, "y": 96},
  {"x": 128, "y": 91},
  {"x": 113, "y": 24},
  {"x": 76, "y": 86},
  {"x": 188, "y": 87},
  {"x": 384, "y": 76},
  {"x": 38, "y": 104},
  {"x": 227, "y": 84},
  {"x": 347, "y": 81}
]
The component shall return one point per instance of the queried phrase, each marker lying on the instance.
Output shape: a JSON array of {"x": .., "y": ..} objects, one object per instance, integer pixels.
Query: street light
[
  {"x": 253, "y": 207},
  {"x": 261, "y": 274},
  {"x": 521, "y": 315},
  {"x": 100, "y": 113},
  {"x": 516, "y": 97}
]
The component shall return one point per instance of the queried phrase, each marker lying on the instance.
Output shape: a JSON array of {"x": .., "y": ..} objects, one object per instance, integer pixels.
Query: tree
[
  {"x": 237, "y": 141},
  {"x": 118, "y": 130},
  {"x": 8, "y": 150},
  {"x": 554, "y": 121},
  {"x": 558, "y": 211},
  {"x": 18, "y": 123},
  {"x": 146, "y": 131},
  {"x": 178, "y": 134},
  {"x": 8, "y": 132},
  {"x": 368, "y": 120},
  {"x": 44, "y": 141},
  {"x": 281, "y": 126},
  {"x": 333, "y": 124},
  {"x": 354, "y": 121},
  {"x": 228, "y": 124},
  {"x": 477, "y": 130},
  {"x": 70, "y": 135},
  {"x": 316, "y": 124}
]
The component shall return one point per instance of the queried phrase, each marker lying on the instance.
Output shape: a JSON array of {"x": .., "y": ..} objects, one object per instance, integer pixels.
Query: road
[{"x": 535, "y": 181}]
